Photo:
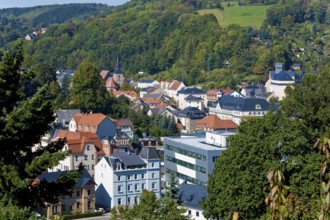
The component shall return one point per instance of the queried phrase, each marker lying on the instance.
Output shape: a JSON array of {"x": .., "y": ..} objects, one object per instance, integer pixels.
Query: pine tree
[{"x": 23, "y": 121}]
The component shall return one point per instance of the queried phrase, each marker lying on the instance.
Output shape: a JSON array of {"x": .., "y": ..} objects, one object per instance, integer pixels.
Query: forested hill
[
  {"x": 17, "y": 22},
  {"x": 171, "y": 39}
]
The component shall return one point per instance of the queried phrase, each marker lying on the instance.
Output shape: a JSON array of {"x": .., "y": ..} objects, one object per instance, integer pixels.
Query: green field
[{"x": 241, "y": 15}]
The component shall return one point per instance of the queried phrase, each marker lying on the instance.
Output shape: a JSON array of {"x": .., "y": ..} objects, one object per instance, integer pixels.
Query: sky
[{"x": 31, "y": 3}]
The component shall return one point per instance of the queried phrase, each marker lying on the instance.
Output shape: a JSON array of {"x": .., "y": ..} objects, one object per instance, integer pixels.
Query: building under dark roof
[
  {"x": 192, "y": 113},
  {"x": 128, "y": 159},
  {"x": 192, "y": 98},
  {"x": 149, "y": 153},
  {"x": 63, "y": 117},
  {"x": 243, "y": 104},
  {"x": 191, "y": 91}
]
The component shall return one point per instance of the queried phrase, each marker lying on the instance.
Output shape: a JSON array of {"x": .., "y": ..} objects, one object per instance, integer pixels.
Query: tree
[
  {"x": 88, "y": 91},
  {"x": 23, "y": 121},
  {"x": 172, "y": 188}
]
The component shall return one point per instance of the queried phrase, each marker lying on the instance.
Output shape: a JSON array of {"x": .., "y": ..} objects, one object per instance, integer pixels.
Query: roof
[
  {"x": 54, "y": 177},
  {"x": 104, "y": 74},
  {"x": 193, "y": 98},
  {"x": 282, "y": 76},
  {"x": 111, "y": 83},
  {"x": 77, "y": 140},
  {"x": 192, "y": 90},
  {"x": 191, "y": 195},
  {"x": 128, "y": 93},
  {"x": 214, "y": 122},
  {"x": 66, "y": 115},
  {"x": 175, "y": 85},
  {"x": 243, "y": 104},
  {"x": 93, "y": 119},
  {"x": 191, "y": 112},
  {"x": 124, "y": 122},
  {"x": 226, "y": 91},
  {"x": 149, "y": 153},
  {"x": 128, "y": 159},
  {"x": 146, "y": 81},
  {"x": 213, "y": 92}
]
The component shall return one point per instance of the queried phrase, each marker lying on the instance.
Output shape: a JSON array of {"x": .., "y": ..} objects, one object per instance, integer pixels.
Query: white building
[
  {"x": 192, "y": 158},
  {"x": 147, "y": 83},
  {"x": 280, "y": 79},
  {"x": 195, "y": 92},
  {"x": 121, "y": 177},
  {"x": 235, "y": 108}
]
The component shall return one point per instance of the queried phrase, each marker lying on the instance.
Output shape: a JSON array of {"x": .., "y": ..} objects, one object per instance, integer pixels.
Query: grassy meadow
[{"x": 241, "y": 15}]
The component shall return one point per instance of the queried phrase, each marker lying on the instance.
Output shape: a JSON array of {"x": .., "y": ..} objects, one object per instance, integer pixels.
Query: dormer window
[
  {"x": 88, "y": 147},
  {"x": 118, "y": 164},
  {"x": 258, "y": 106}
]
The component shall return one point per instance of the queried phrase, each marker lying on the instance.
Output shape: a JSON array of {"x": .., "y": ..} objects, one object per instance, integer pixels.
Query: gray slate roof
[
  {"x": 149, "y": 153},
  {"x": 54, "y": 177},
  {"x": 191, "y": 112},
  {"x": 191, "y": 195},
  {"x": 193, "y": 98},
  {"x": 128, "y": 159},
  {"x": 191, "y": 91},
  {"x": 65, "y": 115},
  {"x": 243, "y": 104}
]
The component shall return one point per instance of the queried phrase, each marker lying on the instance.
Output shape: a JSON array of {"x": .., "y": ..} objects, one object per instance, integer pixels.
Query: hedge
[{"x": 81, "y": 215}]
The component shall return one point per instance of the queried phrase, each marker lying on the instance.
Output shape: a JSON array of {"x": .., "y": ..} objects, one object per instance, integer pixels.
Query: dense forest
[{"x": 169, "y": 39}]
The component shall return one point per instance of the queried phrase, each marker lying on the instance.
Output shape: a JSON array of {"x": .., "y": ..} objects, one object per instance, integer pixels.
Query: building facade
[
  {"x": 121, "y": 177},
  {"x": 192, "y": 158}
]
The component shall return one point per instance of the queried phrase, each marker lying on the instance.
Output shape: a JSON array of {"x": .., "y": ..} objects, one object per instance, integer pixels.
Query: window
[
  {"x": 88, "y": 147},
  {"x": 135, "y": 200},
  {"x": 92, "y": 156},
  {"x": 129, "y": 187},
  {"x": 152, "y": 175},
  {"x": 89, "y": 204},
  {"x": 136, "y": 187},
  {"x": 76, "y": 158},
  {"x": 143, "y": 186},
  {"x": 189, "y": 212},
  {"x": 153, "y": 185},
  {"x": 135, "y": 176},
  {"x": 152, "y": 164},
  {"x": 142, "y": 176},
  {"x": 86, "y": 157},
  {"x": 92, "y": 166},
  {"x": 119, "y": 188},
  {"x": 128, "y": 177},
  {"x": 78, "y": 193},
  {"x": 86, "y": 128},
  {"x": 119, "y": 201},
  {"x": 128, "y": 200},
  {"x": 70, "y": 207},
  {"x": 118, "y": 178},
  {"x": 88, "y": 192},
  {"x": 197, "y": 213}
]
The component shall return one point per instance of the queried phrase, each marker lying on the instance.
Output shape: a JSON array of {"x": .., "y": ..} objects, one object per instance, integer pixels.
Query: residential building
[
  {"x": 191, "y": 196},
  {"x": 172, "y": 87},
  {"x": 213, "y": 123},
  {"x": 125, "y": 125},
  {"x": 118, "y": 75},
  {"x": 235, "y": 108},
  {"x": 193, "y": 101},
  {"x": 280, "y": 79},
  {"x": 121, "y": 177},
  {"x": 185, "y": 92},
  {"x": 131, "y": 95},
  {"x": 144, "y": 83},
  {"x": 81, "y": 200},
  {"x": 63, "y": 117},
  {"x": 85, "y": 148},
  {"x": 96, "y": 123},
  {"x": 112, "y": 85},
  {"x": 254, "y": 91},
  {"x": 192, "y": 158},
  {"x": 189, "y": 118}
]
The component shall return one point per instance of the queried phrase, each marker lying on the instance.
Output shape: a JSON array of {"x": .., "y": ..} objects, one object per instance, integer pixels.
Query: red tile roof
[
  {"x": 215, "y": 123},
  {"x": 104, "y": 73},
  {"x": 77, "y": 140},
  {"x": 128, "y": 93},
  {"x": 227, "y": 91},
  {"x": 111, "y": 84},
  {"x": 175, "y": 85}
]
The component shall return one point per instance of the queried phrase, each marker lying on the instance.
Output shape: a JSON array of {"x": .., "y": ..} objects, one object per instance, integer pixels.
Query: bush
[{"x": 81, "y": 215}]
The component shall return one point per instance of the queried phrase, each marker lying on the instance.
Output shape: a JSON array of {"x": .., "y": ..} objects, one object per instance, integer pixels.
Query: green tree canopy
[
  {"x": 23, "y": 121},
  {"x": 88, "y": 91}
]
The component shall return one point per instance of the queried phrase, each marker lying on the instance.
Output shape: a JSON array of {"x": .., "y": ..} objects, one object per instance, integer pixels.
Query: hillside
[{"x": 174, "y": 40}]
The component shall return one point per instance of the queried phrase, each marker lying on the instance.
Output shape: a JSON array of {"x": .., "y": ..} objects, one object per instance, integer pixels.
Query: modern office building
[{"x": 192, "y": 158}]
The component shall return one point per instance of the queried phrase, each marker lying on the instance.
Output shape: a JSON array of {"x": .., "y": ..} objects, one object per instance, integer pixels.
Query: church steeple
[{"x": 117, "y": 68}]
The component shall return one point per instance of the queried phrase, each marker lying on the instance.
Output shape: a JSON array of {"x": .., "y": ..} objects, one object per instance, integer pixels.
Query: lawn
[{"x": 241, "y": 15}]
